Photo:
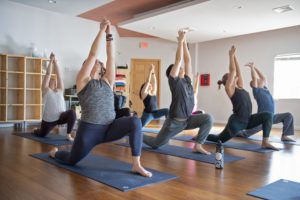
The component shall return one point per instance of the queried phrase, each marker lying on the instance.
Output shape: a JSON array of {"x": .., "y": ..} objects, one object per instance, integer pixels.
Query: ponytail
[{"x": 220, "y": 83}]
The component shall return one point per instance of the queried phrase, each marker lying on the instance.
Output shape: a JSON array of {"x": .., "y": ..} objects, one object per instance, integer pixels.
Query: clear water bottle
[{"x": 219, "y": 155}]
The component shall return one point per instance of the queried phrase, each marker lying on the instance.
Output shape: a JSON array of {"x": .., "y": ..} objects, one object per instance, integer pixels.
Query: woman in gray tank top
[
  {"x": 98, "y": 124},
  {"x": 242, "y": 117}
]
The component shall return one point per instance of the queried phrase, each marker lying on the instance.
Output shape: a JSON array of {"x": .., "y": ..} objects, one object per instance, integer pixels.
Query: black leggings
[
  {"x": 90, "y": 135},
  {"x": 235, "y": 125},
  {"x": 68, "y": 117}
]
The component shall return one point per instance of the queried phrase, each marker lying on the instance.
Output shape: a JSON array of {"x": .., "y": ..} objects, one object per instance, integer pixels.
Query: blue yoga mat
[
  {"x": 110, "y": 172},
  {"x": 150, "y": 130},
  {"x": 229, "y": 144},
  {"x": 279, "y": 190},
  {"x": 51, "y": 139},
  {"x": 188, "y": 153}
]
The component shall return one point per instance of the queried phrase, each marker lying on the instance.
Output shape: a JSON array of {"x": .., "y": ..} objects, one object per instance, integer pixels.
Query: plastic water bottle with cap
[{"x": 219, "y": 155}]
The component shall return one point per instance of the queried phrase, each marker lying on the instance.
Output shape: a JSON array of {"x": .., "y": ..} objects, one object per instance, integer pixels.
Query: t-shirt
[
  {"x": 242, "y": 106},
  {"x": 54, "y": 105},
  {"x": 264, "y": 99},
  {"x": 182, "y": 97}
]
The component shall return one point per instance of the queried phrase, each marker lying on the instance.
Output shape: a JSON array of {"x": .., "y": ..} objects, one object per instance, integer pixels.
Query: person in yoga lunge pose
[
  {"x": 148, "y": 95},
  {"x": 265, "y": 103},
  {"x": 180, "y": 113},
  {"x": 242, "y": 107},
  {"x": 54, "y": 104},
  {"x": 98, "y": 124}
]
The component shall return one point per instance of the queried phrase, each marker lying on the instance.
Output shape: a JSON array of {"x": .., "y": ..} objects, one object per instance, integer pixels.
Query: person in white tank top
[{"x": 54, "y": 112}]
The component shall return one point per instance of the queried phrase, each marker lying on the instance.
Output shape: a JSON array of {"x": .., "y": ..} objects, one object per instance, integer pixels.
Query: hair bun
[{"x": 220, "y": 82}]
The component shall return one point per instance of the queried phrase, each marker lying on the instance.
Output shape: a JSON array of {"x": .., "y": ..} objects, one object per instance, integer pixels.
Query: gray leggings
[
  {"x": 172, "y": 127},
  {"x": 285, "y": 118}
]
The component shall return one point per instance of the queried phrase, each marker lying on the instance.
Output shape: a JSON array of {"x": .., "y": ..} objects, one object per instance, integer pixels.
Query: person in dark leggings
[
  {"x": 54, "y": 112},
  {"x": 119, "y": 102},
  {"x": 148, "y": 95},
  {"x": 242, "y": 107},
  {"x": 98, "y": 124},
  {"x": 265, "y": 103},
  {"x": 180, "y": 115}
]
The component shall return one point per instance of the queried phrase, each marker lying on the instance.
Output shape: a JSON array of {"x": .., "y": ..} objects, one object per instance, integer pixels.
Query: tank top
[
  {"x": 97, "y": 103},
  {"x": 54, "y": 105},
  {"x": 242, "y": 106},
  {"x": 150, "y": 103},
  {"x": 264, "y": 99}
]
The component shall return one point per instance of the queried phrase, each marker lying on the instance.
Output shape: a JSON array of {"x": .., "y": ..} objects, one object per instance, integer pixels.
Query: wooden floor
[{"x": 24, "y": 177}]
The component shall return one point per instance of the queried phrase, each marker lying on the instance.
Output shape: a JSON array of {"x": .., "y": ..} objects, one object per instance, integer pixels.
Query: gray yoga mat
[
  {"x": 279, "y": 190},
  {"x": 229, "y": 144},
  {"x": 51, "y": 139},
  {"x": 272, "y": 139},
  {"x": 188, "y": 153},
  {"x": 114, "y": 173}
]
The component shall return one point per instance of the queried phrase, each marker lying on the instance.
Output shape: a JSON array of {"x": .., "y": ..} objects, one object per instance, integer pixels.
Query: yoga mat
[
  {"x": 279, "y": 190},
  {"x": 229, "y": 144},
  {"x": 188, "y": 153},
  {"x": 150, "y": 130},
  {"x": 51, "y": 139},
  {"x": 110, "y": 172},
  {"x": 272, "y": 139}
]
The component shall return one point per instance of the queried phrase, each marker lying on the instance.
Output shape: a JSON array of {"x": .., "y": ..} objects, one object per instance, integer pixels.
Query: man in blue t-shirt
[
  {"x": 265, "y": 103},
  {"x": 180, "y": 113}
]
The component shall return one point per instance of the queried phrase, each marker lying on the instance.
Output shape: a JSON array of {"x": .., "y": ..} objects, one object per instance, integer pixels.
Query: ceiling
[
  {"x": 210, "y": 19},
  {"x": 68, "y": 7},
  {"x": 217, "y": 19}
]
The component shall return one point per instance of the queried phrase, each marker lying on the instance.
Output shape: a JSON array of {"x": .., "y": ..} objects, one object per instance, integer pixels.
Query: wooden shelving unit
[
  {"x": 20, "y": 88},
  {"x": 122, "y": 82}
]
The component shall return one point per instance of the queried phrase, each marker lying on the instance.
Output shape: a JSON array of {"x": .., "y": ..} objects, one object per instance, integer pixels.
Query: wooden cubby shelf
[{"x": 20, "y": 88}]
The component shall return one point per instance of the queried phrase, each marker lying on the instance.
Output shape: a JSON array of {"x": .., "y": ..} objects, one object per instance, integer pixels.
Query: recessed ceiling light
[
  {"x": 283, "y": 9},
  {"x": 237, "y": 7},
  {"x": 188, "y": 29},
  {"x": 51, "y": 1}
]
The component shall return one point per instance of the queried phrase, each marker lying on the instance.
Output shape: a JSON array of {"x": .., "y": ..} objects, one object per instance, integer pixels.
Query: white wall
[
  {"x": 69, "y": 37},
  {"x": 128, "y": 48},
  {"x": 261, "y": 48}
]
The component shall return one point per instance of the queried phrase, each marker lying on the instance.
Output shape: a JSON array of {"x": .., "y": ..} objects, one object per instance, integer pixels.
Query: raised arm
[
  {"x": 196, "y": 86},
  {"x": 60, "y": 83},
  {"x": 110, "y": 73},
  {"x": 175, "y": 69},
  {"x": 187, "y": 60},
  {"x": 154, "y": 86},
  {"x": 83, "y": 75},
  {"x": 145, "y": 88},
  {"x": 253, "y": 74},
  {"x": 262, "y": 81},
  {"x": 240, "y": 81},
  {"x": 47, "y": 77},
  {"x": 230, "y": 82}
]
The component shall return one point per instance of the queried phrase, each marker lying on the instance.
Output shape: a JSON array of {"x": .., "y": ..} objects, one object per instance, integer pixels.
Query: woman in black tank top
[
  {"x": 148, "y": 95},
  {"x": 242, "y": 117}
]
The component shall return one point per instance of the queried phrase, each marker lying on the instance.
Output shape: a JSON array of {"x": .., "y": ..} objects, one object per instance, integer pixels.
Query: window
[{"x": 287, "y": 76}]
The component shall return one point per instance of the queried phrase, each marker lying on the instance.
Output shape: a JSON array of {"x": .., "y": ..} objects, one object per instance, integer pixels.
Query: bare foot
[
  {"x": 70, "y": 138},
  {"x": 267, "y": 145},
  {"x": 285, "y": 138},
  {"x": 199, "y": 149},
  {"x": 141, "y": 170},
  {"x": 52, "y": 152}
]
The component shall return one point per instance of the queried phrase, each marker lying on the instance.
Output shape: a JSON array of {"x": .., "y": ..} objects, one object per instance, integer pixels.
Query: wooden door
[{"x": 138, "y": 75}]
